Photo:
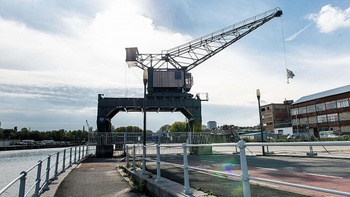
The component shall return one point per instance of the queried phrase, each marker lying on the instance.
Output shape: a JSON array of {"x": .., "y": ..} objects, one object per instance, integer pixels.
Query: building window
[
  {"x": 343, "y": 103},
  {"x": 294, "y": 112},
  {"x": 331, "y": 105},
  {"x": 332, "y": 117},
  {"x": 322, "y": 118},
  {"x": 320, "y": 107},
  {"x": 302, "y": 110},
  {"x": 311, "y": 109}
]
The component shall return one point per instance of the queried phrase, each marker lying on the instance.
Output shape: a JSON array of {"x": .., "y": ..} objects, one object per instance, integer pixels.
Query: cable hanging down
[{"x": 289, "y": 73}]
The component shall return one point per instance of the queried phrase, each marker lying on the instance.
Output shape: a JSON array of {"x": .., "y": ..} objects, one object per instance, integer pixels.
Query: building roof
[{"x": 327, "y": 93}]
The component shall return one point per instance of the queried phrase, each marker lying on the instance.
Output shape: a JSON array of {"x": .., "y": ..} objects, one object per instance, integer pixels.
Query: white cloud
[
  {"x": 295, "y": 35},
  {"x": 331, "y": 18},
  {"x": 92, "y": 53}
]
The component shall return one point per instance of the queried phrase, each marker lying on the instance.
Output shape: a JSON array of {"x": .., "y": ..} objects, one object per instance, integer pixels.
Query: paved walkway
[{"x": 93, "y": 177}]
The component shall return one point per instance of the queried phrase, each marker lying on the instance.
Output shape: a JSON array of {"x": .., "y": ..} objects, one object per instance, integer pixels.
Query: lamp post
[
  {"x": 145, "y": 79},
  {"x": 261, "y": 126}
]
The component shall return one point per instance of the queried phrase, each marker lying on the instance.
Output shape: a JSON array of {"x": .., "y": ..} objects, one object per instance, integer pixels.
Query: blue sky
[{"x": 56, "y": 56}]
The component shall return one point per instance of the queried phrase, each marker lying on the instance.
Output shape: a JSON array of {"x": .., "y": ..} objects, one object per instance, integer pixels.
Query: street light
[
  {"x": 145, "y": 79},
  {"x": 261, "y": 126}
]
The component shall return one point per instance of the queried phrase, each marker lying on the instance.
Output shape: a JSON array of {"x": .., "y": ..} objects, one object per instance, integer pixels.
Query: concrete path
[{"x": 95, "y": 177}]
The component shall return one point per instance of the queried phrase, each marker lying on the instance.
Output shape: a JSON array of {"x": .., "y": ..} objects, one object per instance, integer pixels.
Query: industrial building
[
  {"x": 276, "y": 117},
  {"x": 323, "y": 111}
]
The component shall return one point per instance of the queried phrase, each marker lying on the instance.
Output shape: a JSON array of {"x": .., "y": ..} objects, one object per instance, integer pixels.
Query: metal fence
[
  {"x": 47, "y": 170},
  {"x": 134, "y": 152}
]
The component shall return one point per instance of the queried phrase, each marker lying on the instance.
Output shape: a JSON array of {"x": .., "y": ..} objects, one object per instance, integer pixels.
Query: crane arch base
[{"x": 108, "y": 107}]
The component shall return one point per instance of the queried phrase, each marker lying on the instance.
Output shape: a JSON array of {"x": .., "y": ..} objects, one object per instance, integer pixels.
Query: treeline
[
  {"x": 75, "y": 135},
  {"x": 56, "y": 135}
]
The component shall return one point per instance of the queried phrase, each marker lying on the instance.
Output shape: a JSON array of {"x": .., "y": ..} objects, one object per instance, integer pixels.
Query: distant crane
[{"x": 168, "y": 72}]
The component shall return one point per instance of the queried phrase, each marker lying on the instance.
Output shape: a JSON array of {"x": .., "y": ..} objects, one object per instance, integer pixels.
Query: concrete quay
[{"x": 104, "y": 177}]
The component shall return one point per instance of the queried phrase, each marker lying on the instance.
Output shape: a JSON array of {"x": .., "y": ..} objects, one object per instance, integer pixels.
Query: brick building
[
  {"x": 276, "y": 115},
  {"x": 324, "y": 111}
]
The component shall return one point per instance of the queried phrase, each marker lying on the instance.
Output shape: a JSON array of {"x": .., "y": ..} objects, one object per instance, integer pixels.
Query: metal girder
[{"x": 109, "y": 107}]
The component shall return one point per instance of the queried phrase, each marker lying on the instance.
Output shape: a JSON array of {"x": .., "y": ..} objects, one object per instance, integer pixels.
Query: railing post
[
  {"x": 70, "y": 157},
  {"x": 64, "y": 161},
  {"x": 159, "y": 178},
  {"x": 79, "y": 153},
  {"x": 38, "y": 179},
  {"x": 187, "y": 188},
  {"x": 126, "y": 152},
  {"x": 244, "y": 168},
  {"x": 124, "y": 146},
  {"x": 46, "y": 187},
  {"x": 311, "y": 153},
  {"x": 56, "y": 166},
  {"x": 144, "y": 160},
  {"x": 134, "y": 159},
  {"x": 75, "y": 155},
  {"x": 87, "y": 149},
  {"x": 82, "y": 152},
  {"x": 22, "y": 184}
]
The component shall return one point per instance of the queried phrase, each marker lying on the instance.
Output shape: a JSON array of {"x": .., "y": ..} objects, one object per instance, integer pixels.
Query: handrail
[
  {"x": 245, "y": 177},
  {"x": 36, "y": 186}
]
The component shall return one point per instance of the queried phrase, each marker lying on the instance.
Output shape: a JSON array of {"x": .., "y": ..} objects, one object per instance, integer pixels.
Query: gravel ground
[{"x": 217, "y": 186}]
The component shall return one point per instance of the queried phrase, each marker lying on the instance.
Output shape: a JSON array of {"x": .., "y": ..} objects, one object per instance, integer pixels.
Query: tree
[
  {"x": 164, "y": 128},
  {"x": 178, "y": 127}
]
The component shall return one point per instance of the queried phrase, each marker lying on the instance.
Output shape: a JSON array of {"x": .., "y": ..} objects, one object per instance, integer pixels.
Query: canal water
[{"x": 13, "y": 162}]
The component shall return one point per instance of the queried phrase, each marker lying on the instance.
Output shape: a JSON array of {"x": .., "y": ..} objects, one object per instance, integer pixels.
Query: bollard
[
  {"x": 64, "y": 161},
  {"x": 244, "y": 168},
  {"x": 46, "y": 187},
  {"x": 159, "y": 178},
  {"x": 22, "y": 184},
  {"x": 56, "y": 166},
  {"x": 75, "y": 155},
  {"x": 187, "y": 188},
  {"x": 38, "y": 179},
  {"x": 134, "y": 159},
  {"x": 70, "y": 157}
]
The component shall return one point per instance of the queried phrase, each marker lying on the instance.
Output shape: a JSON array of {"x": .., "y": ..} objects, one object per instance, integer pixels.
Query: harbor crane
[
  {"x": 168, "y": 71},
  {"x": 169, "y": 80}
]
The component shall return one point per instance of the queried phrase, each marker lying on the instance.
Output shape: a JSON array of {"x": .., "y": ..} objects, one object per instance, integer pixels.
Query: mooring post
[{"x": 244, "y": 168}]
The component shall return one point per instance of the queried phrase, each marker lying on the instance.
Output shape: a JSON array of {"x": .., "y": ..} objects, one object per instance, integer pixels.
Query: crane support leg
[{"x": 109, "y": 107}]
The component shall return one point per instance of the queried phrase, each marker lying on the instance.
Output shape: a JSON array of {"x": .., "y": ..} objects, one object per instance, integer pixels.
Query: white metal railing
[
  {"x": 58, "y": 162},
  {"x": 244, "y": 176}
]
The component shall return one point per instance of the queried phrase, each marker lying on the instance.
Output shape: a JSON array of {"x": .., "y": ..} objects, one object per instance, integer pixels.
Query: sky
[{"x": 58, "y": 55}]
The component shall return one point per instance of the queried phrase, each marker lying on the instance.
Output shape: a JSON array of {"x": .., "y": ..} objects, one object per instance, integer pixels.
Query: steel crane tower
[{"x": 169, "y": 79}]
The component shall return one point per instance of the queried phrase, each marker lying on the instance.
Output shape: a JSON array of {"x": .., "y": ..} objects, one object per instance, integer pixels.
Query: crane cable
[{"x": 285, "y": 56}]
